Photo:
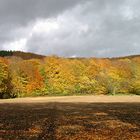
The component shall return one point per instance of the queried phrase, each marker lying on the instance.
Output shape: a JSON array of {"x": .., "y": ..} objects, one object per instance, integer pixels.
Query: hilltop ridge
[{"x": 29, "y": 55}]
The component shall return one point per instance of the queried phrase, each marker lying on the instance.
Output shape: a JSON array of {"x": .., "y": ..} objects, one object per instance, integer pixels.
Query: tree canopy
[{"x": 64, "y": 76}]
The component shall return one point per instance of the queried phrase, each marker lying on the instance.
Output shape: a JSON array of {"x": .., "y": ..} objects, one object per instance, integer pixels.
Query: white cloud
[
  {"x": 16, "y": 45},
  {"x": 127, "y": 13},
  {"x": 45, "y": 26}
]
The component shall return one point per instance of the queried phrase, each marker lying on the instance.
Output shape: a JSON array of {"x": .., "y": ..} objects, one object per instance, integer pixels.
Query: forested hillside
[
  {"x": 20, "y": 54},
  {"x": 64, "y": 76}
]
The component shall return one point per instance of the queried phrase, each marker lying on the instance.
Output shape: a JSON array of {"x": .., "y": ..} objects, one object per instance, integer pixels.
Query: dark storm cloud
[
  {"x": 23, "y": 11},
  {"x": 102, "y": 28}
]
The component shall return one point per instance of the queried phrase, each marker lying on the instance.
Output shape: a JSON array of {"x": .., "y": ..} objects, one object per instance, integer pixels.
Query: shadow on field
[{"x": 70, "y": 121}]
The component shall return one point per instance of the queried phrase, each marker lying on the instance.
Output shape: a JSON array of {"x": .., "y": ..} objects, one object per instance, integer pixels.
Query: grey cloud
[
  {"x": 23, "y": 11},
  {"x": 15, "y": 14},
  {"x": 101, "y": 28}
]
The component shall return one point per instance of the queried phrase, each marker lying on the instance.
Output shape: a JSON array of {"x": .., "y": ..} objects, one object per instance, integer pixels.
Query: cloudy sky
[{"x": 71, "y": 28}]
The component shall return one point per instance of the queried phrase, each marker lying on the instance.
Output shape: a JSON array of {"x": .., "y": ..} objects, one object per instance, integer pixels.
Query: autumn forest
[{"x": 26, "y": 74}]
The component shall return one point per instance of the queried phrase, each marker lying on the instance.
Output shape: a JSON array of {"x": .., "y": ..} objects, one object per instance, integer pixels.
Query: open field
[{"x": 71, "y": 118}]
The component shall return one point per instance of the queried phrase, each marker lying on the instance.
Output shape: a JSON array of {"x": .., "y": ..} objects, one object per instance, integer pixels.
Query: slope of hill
[
  {"x": 126, "y": 57},
  {"x": 23, "y": 55}
]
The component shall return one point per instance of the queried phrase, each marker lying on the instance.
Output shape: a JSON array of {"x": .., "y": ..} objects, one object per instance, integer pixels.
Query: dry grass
[{"x": 70, "y": 121}]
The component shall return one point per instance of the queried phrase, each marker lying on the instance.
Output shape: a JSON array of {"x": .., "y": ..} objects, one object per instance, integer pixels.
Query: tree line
[{"x": 64, "y": 76}]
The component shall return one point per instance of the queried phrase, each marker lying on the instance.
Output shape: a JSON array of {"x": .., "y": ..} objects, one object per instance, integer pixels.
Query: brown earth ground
[{"x": 71, "y": 118}]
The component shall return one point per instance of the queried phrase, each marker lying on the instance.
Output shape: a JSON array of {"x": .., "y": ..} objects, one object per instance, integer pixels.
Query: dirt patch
[{"x": 70, "y": 120}]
